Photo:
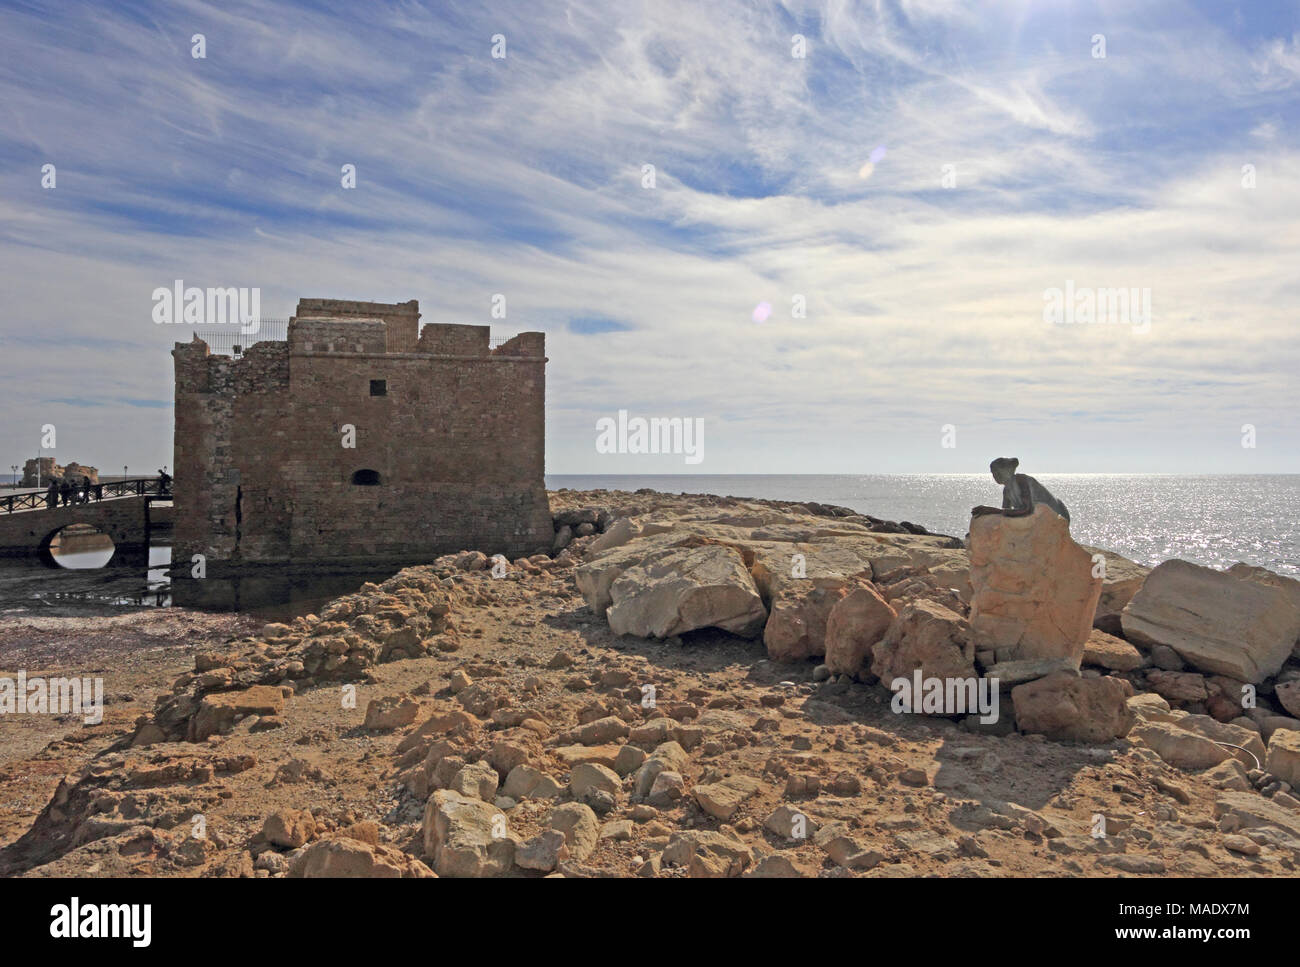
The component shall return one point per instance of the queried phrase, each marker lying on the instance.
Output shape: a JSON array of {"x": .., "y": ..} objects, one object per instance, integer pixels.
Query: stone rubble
[{"x": 700, "y": 687}]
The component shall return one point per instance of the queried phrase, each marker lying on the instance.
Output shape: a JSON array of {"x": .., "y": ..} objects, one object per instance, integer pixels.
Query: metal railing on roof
[{"x": 229, "y": 341}]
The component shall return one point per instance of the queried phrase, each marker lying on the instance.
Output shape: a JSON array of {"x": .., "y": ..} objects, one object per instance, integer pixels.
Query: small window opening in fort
[
  {"x": 379, "y": 387},
  {"x": 366, "y": 478}
]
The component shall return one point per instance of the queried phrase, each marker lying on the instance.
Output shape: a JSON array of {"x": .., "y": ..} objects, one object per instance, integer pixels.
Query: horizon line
[{"x": 949, "y": 473}]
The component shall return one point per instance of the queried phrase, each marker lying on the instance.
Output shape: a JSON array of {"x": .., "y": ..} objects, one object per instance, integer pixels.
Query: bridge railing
[{"x": 132, "y": 487}]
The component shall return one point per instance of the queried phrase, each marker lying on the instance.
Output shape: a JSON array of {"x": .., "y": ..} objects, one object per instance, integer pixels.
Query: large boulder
[
  {"x": 289, "y": 828},
  {"x": 616, "y": 535},
  {"x": 925, "y": 636},
  {"x": 476, "y": 780},
  {"x": 950, "y": 569},
  {"x": 796, "y": 625},
  {"x": 1242, "y": 622},
  {"x": 1288, "y": 695},
  {"x": 1284, "y": 756},
  {"x": 858, "y": 620},
  {"x": 1107, "y": 651},
  {"x": 686, "y": 589},
  {"x": 595, "y": 578},
  {"x": 723, "y": 798},
  {"x": 466, "y": 837},
  {"x": 579, "y": 826},
  {"x": 889, "y": 552},
  {"x": 1120, "y": 580},
  {"x": 1268, "y": 724},
  {"x": 391, "y": 712},
  {"x": 1249, "y": 810},
  {"x": 707, "y": 854},
  {"x": 544, "y": 852},
  {"x": 941, "y": 568},
  {"x": 1181, "y": 748},
  {"x": 1034, "y": 590},
  {"x": 802, "y": 583},
  {"x": 219, "y": 711},
  {"x": 1245, "y": 745},
  {"x": 668, "y": 757},
  {"x": 342, "y": 858},
  {"x": 1178, "y": 686},
  {"x": 1009, "y": 674},
  {"x": 1064, "y": 706},
  {"x": 589, "y": 777}
]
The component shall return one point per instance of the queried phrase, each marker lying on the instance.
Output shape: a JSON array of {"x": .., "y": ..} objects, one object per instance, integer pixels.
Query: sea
[{"x": 1212, "y": 519}]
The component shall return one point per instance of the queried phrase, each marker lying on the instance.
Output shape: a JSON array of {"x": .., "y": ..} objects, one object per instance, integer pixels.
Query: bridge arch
[
  {"x": 29, "y": 532},
  {"x": 46, "y": 550}
]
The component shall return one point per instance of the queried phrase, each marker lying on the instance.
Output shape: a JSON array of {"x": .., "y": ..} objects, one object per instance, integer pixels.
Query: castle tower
[{"x": 362, "y": 438}]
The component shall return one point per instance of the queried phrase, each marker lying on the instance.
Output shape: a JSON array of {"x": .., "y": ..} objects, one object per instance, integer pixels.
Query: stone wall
[
  {"x": 338, "y": 336},
  {"x": 455, "y": 340},
  {"x": 402, "y": 319},
  {"x": 455, "y": 440}
]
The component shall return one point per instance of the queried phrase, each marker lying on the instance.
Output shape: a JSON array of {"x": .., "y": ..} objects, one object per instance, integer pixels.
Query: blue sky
[{"x": 523, "y": 176}]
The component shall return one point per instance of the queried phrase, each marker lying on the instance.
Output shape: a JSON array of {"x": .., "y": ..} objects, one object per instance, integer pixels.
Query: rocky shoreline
[{"x": 690, "y": 686}]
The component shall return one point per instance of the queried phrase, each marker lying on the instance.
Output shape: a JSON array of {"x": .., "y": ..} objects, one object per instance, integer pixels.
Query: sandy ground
[
  {"x": 137, "y": 654},
  {"x": 914, "y": 795}
]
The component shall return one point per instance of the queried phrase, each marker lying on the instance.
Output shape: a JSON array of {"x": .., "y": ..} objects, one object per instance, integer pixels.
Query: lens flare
[{"x": 762, "y": 311}]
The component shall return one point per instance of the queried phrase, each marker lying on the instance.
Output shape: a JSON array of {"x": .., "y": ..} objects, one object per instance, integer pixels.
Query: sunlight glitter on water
[{"x": 1215, "y": 520}]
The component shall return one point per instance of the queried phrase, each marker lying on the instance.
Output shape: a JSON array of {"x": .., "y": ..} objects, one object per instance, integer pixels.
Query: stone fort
[{"x": 446, "y": 431}]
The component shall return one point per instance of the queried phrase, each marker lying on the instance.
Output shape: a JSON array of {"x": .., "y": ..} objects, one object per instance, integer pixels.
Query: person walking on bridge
[{"x": 52, "y": 495}]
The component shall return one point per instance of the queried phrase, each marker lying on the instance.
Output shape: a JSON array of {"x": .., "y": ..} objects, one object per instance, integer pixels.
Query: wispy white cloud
[
  {"x": 1278, "y": 63},
  {"x": 523, "y": 176}
]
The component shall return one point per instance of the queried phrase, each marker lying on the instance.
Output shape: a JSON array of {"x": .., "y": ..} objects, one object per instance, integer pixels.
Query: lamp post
[
  {"x": 123, "y": 471},
  {"x": 14, "y": 468}
]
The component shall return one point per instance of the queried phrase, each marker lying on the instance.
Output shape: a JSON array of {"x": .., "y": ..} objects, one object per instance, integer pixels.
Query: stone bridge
[{"x": 126, "y": 520}]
